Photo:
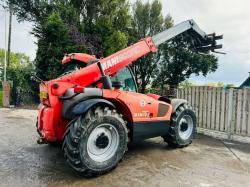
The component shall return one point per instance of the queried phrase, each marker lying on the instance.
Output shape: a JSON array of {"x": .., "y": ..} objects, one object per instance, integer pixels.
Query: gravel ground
[{"x": 207, "y": 162}]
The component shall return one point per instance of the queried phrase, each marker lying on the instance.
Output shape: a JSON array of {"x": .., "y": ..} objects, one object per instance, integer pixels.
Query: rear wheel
[
  {"x": 183, "y": 126},
  {"x": 95, "y": 143}
]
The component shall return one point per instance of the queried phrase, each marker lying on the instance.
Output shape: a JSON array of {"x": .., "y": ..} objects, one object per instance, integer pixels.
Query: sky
[{"x": 228, "y": 17}]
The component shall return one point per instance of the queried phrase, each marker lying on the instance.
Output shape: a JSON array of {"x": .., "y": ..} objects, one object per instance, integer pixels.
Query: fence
[{"x": 220, "y": 112}]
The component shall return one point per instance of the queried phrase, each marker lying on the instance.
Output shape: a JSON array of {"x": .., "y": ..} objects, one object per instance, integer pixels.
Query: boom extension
[
  {"x": 177, "y": 30},
  {"x": 203, "y": 41}
]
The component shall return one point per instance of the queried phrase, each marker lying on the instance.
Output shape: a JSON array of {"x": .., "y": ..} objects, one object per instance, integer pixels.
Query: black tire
[
  {"x": 174, "y": 137},
  {"x": 55, "y": 144},
  {"x": 76, "y": 147}
]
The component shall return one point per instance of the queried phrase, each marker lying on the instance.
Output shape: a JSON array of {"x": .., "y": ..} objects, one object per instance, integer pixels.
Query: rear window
[{"x": 72, "y": 66}]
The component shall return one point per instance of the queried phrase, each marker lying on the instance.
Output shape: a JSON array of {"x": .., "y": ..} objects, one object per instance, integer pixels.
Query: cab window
[
  {"x": 126, "y": 79},
  {"x": 72, "y": 66}
]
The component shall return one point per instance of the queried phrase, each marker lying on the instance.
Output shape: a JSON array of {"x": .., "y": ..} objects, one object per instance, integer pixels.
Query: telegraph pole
[
  {"x": 5, "y": 41},
  {"x": 9, "y": 39},
  {"x": 6, "y": 84}
]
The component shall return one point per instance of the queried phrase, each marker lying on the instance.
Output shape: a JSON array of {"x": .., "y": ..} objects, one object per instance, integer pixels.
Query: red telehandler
[{"x": 94, "y": 109}]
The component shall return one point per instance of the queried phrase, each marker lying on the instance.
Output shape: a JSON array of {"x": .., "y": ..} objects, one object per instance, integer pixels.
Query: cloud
[
  {"x": 21, "y": 39},
  {"x": 228, "y": 17}
]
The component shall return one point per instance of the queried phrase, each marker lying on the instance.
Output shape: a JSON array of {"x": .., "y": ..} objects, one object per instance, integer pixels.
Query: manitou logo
[
  {"x": 142, "y": 114},
  {"x": 116, "y": 59}
]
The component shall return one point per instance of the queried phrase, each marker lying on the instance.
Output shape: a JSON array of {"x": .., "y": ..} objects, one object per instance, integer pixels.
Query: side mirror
[{"x": 35, "y": 78}]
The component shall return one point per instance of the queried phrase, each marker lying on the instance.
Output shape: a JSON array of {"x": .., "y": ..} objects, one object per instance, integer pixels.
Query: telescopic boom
[{"x": 115, "y": 62}]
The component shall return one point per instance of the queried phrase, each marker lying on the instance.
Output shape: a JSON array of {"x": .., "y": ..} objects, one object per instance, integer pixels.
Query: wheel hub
[
  {"x": 102, "y": 141},
  {"x": 186, "y": 126}
]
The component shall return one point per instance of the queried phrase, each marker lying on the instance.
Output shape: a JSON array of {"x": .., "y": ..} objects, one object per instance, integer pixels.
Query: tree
[
  {"x": 53, "y": 42},
  {"x": 181, "y": 60},
  {"x": 18, "y": 72},
  {"x": 215, "y": 84},
  {"x": 91, "y": 26},
  {"x": 230, "y": 86},
  {"x": 186, "y": 84},
  {"x": 102, "y": 27},
  {"x": 147, "y": 21},
  {"x": 16, "y": 59}
]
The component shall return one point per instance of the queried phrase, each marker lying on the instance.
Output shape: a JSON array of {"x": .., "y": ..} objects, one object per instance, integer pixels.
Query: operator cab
[
  {"x": 76, "y": 61},
  {"x": 126, "y": 79},
  {"x": 74, "y": 65}
]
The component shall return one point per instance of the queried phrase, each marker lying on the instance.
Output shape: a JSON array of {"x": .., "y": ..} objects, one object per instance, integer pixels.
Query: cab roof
[{"x": 82, "y": 57}]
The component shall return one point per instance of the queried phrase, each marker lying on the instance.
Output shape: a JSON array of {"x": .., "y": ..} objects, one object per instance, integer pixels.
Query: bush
[{"x": 24, "y": 90}]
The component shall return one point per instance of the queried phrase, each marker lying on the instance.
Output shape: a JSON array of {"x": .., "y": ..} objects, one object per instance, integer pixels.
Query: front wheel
[
  {"x": 96, "y": 142},
  {"x": 183, "y": 127}
]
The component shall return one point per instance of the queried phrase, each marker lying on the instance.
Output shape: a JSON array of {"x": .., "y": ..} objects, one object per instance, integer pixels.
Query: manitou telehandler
[{"x": 94, "y": 109}]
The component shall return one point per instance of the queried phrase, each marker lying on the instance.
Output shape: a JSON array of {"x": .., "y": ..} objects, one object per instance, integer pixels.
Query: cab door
[{"x": 127, "y": 80}]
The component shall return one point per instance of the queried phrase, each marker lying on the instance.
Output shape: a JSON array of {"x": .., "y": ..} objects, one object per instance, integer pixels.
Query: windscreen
[
  {"x": 72, "y": 66},
  {"x": 126, "y": 79}
]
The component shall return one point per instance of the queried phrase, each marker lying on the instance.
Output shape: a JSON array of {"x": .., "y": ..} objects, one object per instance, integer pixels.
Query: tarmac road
[{"x": 206, "y": 163}]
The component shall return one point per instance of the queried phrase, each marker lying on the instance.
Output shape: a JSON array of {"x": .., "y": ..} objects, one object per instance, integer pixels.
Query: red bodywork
[
  {"x": 78, "y": 56},
  {"x": 135, "y": 107}
]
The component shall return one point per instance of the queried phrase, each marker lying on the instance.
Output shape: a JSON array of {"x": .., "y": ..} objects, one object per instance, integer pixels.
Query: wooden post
[
  {"x": 209, "y": 108},
  {"x": 230, "y": 113},
  {"x": 204, "y": 108},
  {"x": 218, "y": 109},
  {"x": 248, "y": 111},
  {"x": 244, "y": 111},
  {"x": 223, "y": 111},
  {"x": 201, "y": 91},
  {"x": 6, "y": 94},
  {"x": 239, "y": 111},
  {"x": 213, "y": 108}
]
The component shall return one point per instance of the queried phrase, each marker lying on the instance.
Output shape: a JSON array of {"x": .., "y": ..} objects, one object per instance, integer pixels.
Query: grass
[{"x": 1, "y": 98}]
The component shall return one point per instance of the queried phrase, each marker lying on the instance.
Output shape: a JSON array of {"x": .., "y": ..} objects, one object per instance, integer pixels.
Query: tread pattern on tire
[
  {"x": 171, "y": 138},
  {"x": 78, "y": 128}
]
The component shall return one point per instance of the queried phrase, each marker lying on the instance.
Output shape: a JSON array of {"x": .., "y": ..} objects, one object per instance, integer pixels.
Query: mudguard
[
  {"x": 177, "y": 102},
  {"x": 69, "y": 104},
  {"x": 84, "y": 106}
]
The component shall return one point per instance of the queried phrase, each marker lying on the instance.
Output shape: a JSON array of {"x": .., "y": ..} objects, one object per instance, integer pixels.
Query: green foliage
[
  {"x": 230, "y": 86},
  {"x": 108, "y": 20},
  {"x": 22, "y": 86},
  {"x": 180, "y": 61},
  {"x": 147, "y": 21},
  {"x": 102, "y": 27},
  {"x": 215, "y": 84},
  {"x": 119, "y": 38},
  {"x": 19, "y": 73},
  {"x": 176, "y": 60},
  {"x": 92, "y": 26},
  {"x": 220, "y": 84},
  {"x": 186, "y": 84},
  {"x": 53, "y": 43},
  {"x": 16, "y": 59}
]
